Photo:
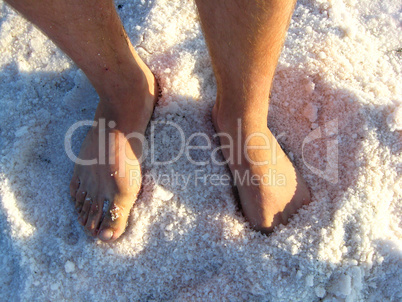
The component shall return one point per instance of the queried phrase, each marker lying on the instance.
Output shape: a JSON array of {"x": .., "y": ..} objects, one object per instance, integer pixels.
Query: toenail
[{"x": 106, "y": 235}]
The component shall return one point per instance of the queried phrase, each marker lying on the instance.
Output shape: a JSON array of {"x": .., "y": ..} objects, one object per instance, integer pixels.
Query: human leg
[
  {"x": 244, "y": 39},
  {"x": 91, "y": 33}
]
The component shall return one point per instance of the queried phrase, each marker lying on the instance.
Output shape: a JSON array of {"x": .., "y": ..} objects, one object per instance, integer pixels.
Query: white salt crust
[{"x": 339, "y": 75}]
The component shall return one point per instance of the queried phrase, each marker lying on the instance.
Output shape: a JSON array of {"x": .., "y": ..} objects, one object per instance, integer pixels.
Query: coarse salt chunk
[
  {"x": 69, "y": 267},
  {"x": 345, "y": 285},
  {"x": 310, "y": 112},
  {"x": 310, "y": 280},
  {"x": 309, "y": 87},
  {"x": 341, "y": 286},
  {"x": 162, "y": 194},
  {"x": 322, "y": 55},
  {"x": 21, "y": 131},
  {"x": 394, "y": 120},
  {"x": 320, "y": 292}
]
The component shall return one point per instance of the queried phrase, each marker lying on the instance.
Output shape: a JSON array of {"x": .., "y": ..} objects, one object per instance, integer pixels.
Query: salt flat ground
[{"x": 340, "y": 73}]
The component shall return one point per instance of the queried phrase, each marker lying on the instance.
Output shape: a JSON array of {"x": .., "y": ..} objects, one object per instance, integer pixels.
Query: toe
[
  {"x": 74, "y": 185},
  {"x": 82, "y": 218},
  {"x": 115, "y": 220},
  {"x": 94, "y": 217},
  {"x": 80, "y": 198}
]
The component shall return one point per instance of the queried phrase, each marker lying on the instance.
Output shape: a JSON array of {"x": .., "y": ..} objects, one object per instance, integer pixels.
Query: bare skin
[
  {"x": 245, "y": 39},
  {"x": 91, "y": 33}
]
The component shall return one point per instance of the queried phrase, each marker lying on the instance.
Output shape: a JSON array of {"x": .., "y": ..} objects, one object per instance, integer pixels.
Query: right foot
[{"x": 117, "y": 181}]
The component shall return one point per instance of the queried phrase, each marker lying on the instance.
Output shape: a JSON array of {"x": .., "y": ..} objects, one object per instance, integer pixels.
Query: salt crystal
[
  {"x": 115, "y": 213},
  {"x": 162, "y": 194},
  {"x": 322, "y": 55},
  {"x": 291, "y": 155},
  {"x": 310, "y": 280},
  {"x": 320, "y": 292},
  {"x": 21, "y": 131},
  {"x": 341, "y": 286},
  {"x": 310, "y": 112},
  {"x": 69, "y": 267},
  {"x": 394, "y": 120},
  {"x": 345, "y": 285}
]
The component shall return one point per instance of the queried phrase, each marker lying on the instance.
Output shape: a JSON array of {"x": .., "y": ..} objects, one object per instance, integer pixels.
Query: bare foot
[
  {"x": 115, "y": 179},
  {"x": 270, "y": 188}
]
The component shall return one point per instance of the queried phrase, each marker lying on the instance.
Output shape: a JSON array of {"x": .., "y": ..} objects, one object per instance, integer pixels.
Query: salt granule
[
  {"x": 310, "y": 112},
  {"x": 320, "y": 291},
  {"x": 21, "y": 131},
  {"x": 341, "y": 286},
  {"x": 69, "y": 267},
  {"x": 394, "y": 120},
  {"x": 310, "y": 280},
  {"x": 322, "y": 55},
  {"x": 162, "y": 194},
  {"x": 115, "y": 212}
]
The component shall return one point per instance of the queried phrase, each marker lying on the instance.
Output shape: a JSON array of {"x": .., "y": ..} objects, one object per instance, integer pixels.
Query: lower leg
[
  {"x": 91, "y": 33},
  {"x": 244, "y": 39}
]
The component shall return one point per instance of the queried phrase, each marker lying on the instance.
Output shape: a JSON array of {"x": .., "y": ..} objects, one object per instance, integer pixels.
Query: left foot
[{"x": 270, "y": 188}]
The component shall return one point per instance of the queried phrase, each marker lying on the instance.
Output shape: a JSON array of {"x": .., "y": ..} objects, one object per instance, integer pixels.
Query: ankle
[
  {"x": 138, "y": 98},
  {"x": 228, "y": 117},
  {"x": 115, "y": 86}
]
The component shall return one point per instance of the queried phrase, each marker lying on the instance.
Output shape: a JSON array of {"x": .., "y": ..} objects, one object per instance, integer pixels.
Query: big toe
[{"x": 115, "y": 221}]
